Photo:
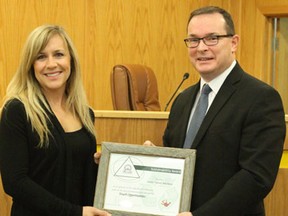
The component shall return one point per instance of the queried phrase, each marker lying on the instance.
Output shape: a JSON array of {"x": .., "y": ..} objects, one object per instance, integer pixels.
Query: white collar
[{"x": 217, "y": 82}]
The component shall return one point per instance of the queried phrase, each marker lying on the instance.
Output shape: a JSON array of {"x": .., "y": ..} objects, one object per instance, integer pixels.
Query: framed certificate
[{"x": 144, "y": 180}]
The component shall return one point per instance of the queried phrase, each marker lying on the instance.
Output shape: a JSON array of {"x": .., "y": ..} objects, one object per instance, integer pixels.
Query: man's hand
[
  {"x": 185, "y": 214},
  {"x": 91, "y": 211}
]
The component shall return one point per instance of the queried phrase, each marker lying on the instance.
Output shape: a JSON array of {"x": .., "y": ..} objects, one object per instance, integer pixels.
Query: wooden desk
[{"x": 130, "y": 127}]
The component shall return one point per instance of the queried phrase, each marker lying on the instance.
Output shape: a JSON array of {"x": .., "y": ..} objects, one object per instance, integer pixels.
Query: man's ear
[{"x": 235, "y": 42}]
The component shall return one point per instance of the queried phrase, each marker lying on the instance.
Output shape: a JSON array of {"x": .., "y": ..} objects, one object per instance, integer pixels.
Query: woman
[{"x": 47, "y": 131}]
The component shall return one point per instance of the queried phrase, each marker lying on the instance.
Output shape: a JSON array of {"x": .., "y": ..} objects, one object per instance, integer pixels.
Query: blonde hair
[{"x": 25, "y": 87}]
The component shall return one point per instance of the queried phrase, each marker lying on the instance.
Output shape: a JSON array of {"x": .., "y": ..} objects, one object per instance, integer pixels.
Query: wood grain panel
[
  {"x": 276, "y": 201},
  {"x": 252, "y": 41},
  {"x": 110, "y": 32},
  {"x": 6, "y": 201},
  {"x": 130, "y": 127},
  {"x": 263, "y": 23},
  {"x": 273, "y": 8},
  {"x": 146, "y": 32}
]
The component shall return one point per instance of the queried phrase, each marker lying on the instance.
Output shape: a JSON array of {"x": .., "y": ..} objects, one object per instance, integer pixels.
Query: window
[{"x": 280, "y": 58}]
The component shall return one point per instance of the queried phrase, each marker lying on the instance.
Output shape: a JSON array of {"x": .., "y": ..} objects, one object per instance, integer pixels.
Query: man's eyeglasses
[{"x": 209, "y": 40}]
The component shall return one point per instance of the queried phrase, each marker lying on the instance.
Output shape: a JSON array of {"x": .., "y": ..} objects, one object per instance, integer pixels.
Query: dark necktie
[{"x": 198, "y": 116}]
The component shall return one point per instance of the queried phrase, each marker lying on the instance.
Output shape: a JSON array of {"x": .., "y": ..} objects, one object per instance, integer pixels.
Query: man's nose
[{"x": 202, "y": 45}]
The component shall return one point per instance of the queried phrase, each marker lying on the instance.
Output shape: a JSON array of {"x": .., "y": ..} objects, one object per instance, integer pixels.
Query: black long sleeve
[{"x": 38, "y": 179}]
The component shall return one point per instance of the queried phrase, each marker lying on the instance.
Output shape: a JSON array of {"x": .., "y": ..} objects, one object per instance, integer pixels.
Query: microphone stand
[{"x": 186, "y": 75}]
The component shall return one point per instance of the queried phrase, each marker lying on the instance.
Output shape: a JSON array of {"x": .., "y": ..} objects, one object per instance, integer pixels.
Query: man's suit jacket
[{"x": 239, "y": 145}]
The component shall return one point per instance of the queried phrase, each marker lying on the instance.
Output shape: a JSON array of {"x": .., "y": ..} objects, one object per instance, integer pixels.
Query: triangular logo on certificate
[{"x": 127, "y": 170}]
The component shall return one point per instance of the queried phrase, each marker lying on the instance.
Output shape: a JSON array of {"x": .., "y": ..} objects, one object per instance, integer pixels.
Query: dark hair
[{"x": 213, "y": 9}]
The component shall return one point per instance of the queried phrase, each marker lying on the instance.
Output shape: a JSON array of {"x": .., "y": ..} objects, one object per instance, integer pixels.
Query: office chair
[{"x": 134, "y": 87}]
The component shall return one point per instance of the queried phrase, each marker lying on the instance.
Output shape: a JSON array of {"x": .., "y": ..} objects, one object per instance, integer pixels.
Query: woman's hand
[
  {"x": 97, "y": 157},
  {"x": 148, "y": 143},
  {"x": 91, "y": 211}
]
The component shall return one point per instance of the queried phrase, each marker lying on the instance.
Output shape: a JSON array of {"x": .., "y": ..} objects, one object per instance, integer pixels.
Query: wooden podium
[{"x": 132, "y": 127}]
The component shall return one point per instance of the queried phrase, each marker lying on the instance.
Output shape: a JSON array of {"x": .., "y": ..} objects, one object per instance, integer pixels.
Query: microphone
[{"x": 186, "y": 76}]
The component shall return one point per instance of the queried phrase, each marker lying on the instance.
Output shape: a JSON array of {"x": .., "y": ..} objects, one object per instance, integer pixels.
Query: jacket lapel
[{"x": 226, "y": 91}]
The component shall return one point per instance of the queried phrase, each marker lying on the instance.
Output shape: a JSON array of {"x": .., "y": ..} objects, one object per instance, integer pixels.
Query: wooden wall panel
[
  {"x": 146, "y": 32},
  {"x": 276, "y": 201},
  {"x": 5, "y": 201},
  {"x": 256, "y": 44},
  {"x": 106, "y": 33},
  {"x": 112, "y": 32}
]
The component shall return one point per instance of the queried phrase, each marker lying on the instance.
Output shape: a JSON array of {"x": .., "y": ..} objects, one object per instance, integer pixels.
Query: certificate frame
[{"x": 108, "y": 148}]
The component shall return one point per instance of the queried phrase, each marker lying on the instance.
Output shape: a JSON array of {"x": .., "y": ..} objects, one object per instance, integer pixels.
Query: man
[{"x": 240, "y": 141}]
